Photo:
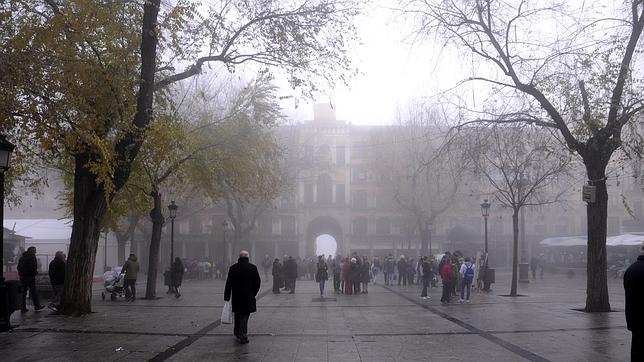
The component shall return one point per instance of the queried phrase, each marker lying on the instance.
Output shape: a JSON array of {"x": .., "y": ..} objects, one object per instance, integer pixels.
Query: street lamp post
[
  {"x": 172, "y": 208},
  {"x": 485, "y": 211},
  {"x": 429, "y": 235},
  {"x": 488, "y": 276},
  {"x": 224, "y": 227},
  {"x": 6, "y": 148}
]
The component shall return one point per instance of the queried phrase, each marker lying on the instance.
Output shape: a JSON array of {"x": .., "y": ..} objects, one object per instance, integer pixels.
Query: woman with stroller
[{"x": 176, "y": 276}]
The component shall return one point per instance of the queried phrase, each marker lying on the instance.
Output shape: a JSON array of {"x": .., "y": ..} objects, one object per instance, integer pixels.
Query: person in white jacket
[{"x": 467, "y": 275}]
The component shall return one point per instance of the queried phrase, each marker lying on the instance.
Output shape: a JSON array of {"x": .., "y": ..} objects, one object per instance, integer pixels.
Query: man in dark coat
[
  {"x": 634, "y": 288},
  {"x": 176, "y": 276},
  {"x": 243, "y": 282},
  {"x": 57, "y": 279},
  {"x": 290, "y": 273},
  {"x": 277, "y": 276},
  {"x": 27, "y": 271}
]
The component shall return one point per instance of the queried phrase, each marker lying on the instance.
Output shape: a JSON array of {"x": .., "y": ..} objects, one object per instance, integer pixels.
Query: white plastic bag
[{"x": 227, "y": 313}]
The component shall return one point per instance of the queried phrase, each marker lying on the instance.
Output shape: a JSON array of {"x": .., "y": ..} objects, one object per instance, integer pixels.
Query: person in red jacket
[{"x": 446, "y": 275}]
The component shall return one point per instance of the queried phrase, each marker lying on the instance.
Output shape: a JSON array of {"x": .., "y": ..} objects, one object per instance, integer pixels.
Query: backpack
[{"x": 469, "y": 273}]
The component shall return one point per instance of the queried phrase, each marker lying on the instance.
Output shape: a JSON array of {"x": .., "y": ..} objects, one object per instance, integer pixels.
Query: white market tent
[{"x": 619, "y": 240}]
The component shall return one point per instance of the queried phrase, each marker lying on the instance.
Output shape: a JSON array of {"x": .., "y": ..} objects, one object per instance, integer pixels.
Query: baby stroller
[{"x": 114, "y": 284}]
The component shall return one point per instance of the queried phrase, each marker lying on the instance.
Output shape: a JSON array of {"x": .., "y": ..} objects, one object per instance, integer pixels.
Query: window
[
  {"x": 358, "y": 151},
  {"x": 324, "y": 154},
  {"x": 339, "y": 194},
  {"x": 339, "y": 155},
  {"x": 325, "y": 189},
  {"x": 288, "y": 225},
  {"x": 359, "y": 174},
  {"x": 360, "y": 199},
  {"x": 265, "y": 225},
  {"x": 360, "y": 226},
  {"x": 308, "y": 193},
  {"x": 383, "y": 226}
]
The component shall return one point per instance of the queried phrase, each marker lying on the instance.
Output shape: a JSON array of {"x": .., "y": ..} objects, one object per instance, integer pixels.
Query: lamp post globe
[{"x": 6, "y": 149}]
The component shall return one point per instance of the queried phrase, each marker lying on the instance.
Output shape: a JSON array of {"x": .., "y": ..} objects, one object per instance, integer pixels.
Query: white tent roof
[
  {"x": 41, "y": 229},
  {"x": 619, "y": 240}
]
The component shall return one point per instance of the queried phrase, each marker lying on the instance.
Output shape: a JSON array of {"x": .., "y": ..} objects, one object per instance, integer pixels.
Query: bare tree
[
  {"x": 421, "y": 179},
  {"x": 522, "y": 165},
  {"x": 576, "y": 78}
]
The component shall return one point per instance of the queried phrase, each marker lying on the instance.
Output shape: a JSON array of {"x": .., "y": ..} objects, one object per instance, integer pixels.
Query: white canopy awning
[{"x": 619, "y": 240}]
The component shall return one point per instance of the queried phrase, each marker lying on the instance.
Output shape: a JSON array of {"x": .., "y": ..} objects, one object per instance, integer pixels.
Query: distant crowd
[{"x": 352, "y": 275}]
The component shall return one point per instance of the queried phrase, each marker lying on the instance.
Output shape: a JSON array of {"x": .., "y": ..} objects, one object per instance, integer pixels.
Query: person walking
[
  {"x": 57, "y": 280},
  {"x": 336, "y": 269},
  {"x": 176, "y": 276},
  {"x": 426, "y": 275},
  {"x": 634, "y": 303},
  {"x": 27, "y": 271},
  {"x": 375, "y": 269},
  {"x": 266, "y": 266},
  {"x": 131, "y": 270},
  {"x": 365, "y": 275},
  {"x": 290, "y": 271},
  {"x": 467, "y": 276},
  {"x": 347, "y": 288},
  {"x": 402, "y": 271},
  {"x": 321, "y": 274},
  {"x": 243, "y": 283},
  {"x": 277, "y": 276},
  {"x": 390, "y": 267},
  {"x": 447, "y": 277}
]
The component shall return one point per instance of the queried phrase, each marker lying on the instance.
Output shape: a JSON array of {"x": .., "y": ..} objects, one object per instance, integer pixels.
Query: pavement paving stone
[{"x": 388, "y": 324}]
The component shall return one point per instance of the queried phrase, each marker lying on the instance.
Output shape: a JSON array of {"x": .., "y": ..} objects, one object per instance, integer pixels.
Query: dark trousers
[
  {"x": 291, "y": 284},
  {"x": 241, "y": 325},
  {"x": 336, "y": 282},
  {"x": 277, "y": 283},
  {"x": 29, "y": 284},
  {"x": 637, "y": 346},
  {"x": 402, "y": 277},
  {"x": 425, "y": 285},
  {"x": 129, "y": 285},
  {"x": 447, "y": 292},
  {"x": 58, "y": 290},
  {"x": 356, "y": 287}
]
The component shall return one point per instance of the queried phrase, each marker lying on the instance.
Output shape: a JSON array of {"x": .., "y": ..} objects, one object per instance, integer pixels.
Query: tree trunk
[
  {"x": 121, "y": 240},
  {"x": 515, "y": 251},
  {"x": 89, "y": 209},
  {"x": 155, "y": 241},
  {"x": 424, "y": 237},
  {"x": 597, "y": 213}
]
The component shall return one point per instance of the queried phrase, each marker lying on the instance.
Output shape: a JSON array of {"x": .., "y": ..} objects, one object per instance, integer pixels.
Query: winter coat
[
  {"x": 28, "y": 265},
  {"x": 446, "y": 272},
  {"x": 389, "y": 266},
  {"x": 131, "y": 268},
  {"x": 243, "y": 283},
  {"x": 402, "y": 266},
  {"x": 176, "y": 273},
  {"x": 633, "y": 286},
  {"x": 322, "y": 272},
  {"x": 277, "y": 270},
  {"x": 366, "y": 268},
  {"x": 57, "y": 272},
  {"x": 290, "y": 269},
  {"x": 426, "y": 270}
]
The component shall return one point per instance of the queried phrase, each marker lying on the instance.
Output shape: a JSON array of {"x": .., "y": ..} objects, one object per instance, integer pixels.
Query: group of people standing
[
  {"x": 457, "y": 274},
  {"x": 27, "y": 272}
]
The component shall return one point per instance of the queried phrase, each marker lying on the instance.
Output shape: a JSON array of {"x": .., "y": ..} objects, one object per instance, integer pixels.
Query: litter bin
[
  {"x": 167, "y": 275},
  {"x": 10, "y": 301},
  {"x": 488, "y": 278},
  {"x": 14, "y": 293}
]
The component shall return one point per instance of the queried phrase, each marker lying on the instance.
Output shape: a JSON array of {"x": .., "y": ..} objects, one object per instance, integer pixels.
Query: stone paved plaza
[{"x": 388, "y": 324}]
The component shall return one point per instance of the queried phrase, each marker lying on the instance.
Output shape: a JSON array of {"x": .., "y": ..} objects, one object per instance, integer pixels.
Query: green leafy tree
[{"x": 84, "y": 75}]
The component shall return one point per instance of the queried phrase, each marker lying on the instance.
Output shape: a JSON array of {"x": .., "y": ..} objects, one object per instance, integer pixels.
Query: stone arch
[{"x": 323, "y": 225}]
